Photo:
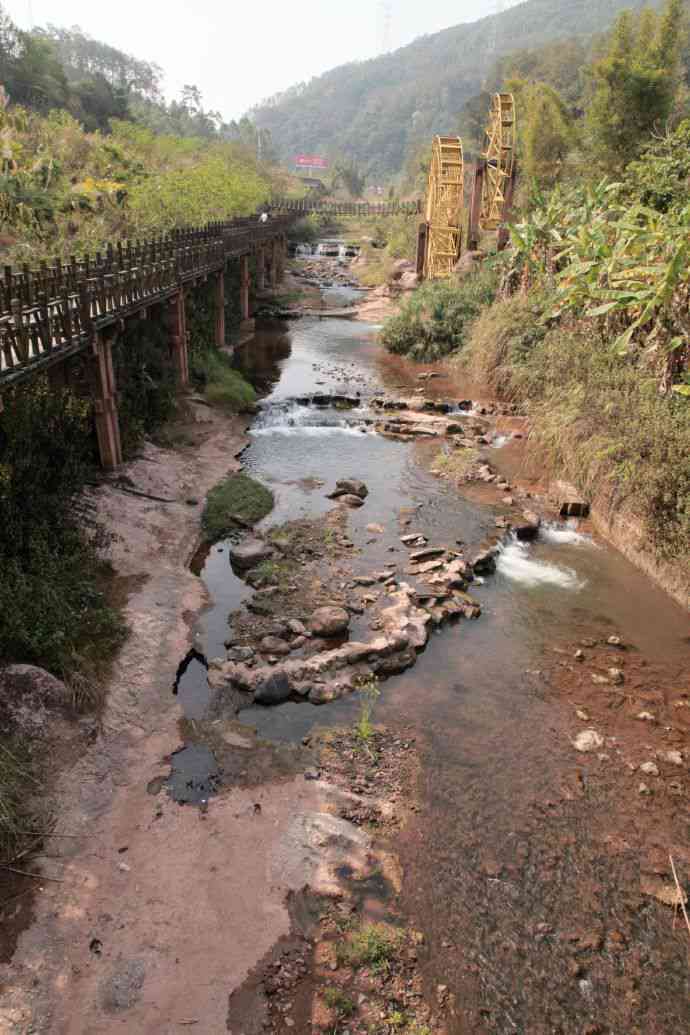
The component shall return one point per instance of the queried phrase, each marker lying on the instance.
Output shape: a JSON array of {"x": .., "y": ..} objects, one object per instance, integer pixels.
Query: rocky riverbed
[{"x": 425, "y": 767}]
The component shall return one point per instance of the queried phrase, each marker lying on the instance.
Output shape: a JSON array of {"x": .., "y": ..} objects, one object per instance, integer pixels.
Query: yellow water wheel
[
  {"x": 444, "y": 205},
  {"x": 499, "y": 159}
]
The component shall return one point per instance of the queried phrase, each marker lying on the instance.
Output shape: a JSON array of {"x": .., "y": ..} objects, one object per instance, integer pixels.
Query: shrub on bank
[
  {"x": 222, "y": 385},
  {"x": 238, "y": 499},
  {"x": 53, "y": 608},
  {"x": 436, "y": 319}
]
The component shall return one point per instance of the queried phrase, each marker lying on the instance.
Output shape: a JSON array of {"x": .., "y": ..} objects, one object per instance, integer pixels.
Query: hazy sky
[{"x": 241, "y": 51}]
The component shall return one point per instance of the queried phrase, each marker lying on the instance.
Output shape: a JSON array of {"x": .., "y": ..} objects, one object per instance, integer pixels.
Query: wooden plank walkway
[{"x": 49, "y": 314}]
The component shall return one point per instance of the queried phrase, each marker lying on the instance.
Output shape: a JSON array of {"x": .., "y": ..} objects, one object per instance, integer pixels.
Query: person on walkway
[{"x": 263, "y": 218}]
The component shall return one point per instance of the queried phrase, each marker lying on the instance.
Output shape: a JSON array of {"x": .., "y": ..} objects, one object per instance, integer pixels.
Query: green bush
[
  {"x": 146, "y": 382},
  {"x": 238, "y": 499},
  {"x": 53, "y": 611},
  {"x": 437, "y": 318}
]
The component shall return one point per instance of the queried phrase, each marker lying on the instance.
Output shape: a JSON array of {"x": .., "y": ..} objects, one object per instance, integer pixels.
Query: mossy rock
[{"x": 237, "y": 500}]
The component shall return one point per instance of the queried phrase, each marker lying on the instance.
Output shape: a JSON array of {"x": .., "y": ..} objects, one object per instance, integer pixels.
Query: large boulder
[
  {"x": 249, "y": 553},
  {"x": 30, "y": 700},
  {"x": 329, "y": 621},
  {"x": 273, "y": 690}
]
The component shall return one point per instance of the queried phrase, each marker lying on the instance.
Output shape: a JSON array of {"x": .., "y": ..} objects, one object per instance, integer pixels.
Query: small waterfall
[
  {"x": 296, "y": 418},
  {"x": 516, "y": 563}
]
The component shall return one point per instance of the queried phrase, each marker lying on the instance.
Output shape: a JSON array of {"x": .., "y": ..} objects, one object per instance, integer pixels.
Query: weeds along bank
[
  {"x": 64, "y": 191},
  {"x": 584, "y": 321}
]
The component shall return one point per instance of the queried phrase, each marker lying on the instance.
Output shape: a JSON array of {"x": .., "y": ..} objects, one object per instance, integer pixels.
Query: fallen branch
[
  {"x": 36, "y": 876},
  {"x": 143, "y": 495},
  {"x": 681, "y": 894}
]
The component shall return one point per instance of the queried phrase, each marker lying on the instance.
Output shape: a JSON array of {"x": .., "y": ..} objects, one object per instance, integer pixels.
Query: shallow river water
[{"x": 487, "y": 862}]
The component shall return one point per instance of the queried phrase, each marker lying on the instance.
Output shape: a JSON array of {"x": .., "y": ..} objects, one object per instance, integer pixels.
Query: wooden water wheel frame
[
  {"x": 499, "y": 160},
  {"x": 444, "y": 207}
]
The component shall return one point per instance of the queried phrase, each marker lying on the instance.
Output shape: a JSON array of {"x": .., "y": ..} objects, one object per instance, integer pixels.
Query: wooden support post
[
  {"x": 178, "y": 338},
  {"x": 282, "y": 255},
  {"x": 247, "y": 323},
  {"x": 422, "y": 234},
  {"x": 261, "y": 268},
  {"x": 503, "y": 232},
  {"x": 274, "y": 263},
  {"x": 475, "y": 206},
  {"x": 220, "y": 309},
  {"x": 104, "y": 395}
]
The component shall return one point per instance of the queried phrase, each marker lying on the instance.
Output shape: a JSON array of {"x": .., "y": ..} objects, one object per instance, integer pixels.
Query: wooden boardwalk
[{"x": 54, "y": 312}]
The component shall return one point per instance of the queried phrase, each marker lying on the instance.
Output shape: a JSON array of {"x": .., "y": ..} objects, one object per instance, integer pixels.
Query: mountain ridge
[{"x": 374, "y": 111}]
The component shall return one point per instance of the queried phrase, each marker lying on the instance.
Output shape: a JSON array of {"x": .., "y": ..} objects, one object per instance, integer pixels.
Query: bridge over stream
[{"x": 51, "y": 315}]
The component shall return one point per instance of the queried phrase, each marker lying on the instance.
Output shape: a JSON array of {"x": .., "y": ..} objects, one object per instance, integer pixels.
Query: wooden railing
[
  {"x": 52, "y": 312},
  {"x": 346, "y": 208}
]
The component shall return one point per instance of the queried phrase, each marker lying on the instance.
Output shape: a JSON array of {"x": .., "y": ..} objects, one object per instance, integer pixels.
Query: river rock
[
  {"x": 322, "y": 694},
  {"x": 351, "y": 501},
  {"x": 484, "y": 562},
  {"x": 273, "y": 689},
  {"x": 427, "y": 553},
  {"x": 529, "y": 528},
  {"x": 296, "y": 627},
  {"x": 588, "y": 740},
  {"x": 240, "y": 654},
  {"x": 394, "y": 664},
  {"x": 274, "y": 645},
  {"x": 329, "y": 621},
  {"x": 249, "y": 553},
  {"x": 349, "y": 487}
]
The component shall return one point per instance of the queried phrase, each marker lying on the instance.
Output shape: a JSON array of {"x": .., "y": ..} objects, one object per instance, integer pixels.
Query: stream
[{"x": 500, "y": 864}]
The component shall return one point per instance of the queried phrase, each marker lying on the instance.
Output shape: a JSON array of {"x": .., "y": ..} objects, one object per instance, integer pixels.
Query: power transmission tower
[{"x": 385, "y": 19}]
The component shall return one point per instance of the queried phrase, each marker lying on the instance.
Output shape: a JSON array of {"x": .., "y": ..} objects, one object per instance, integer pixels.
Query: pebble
[
  {"x": 645, "y": 717},
  {"x": 674, "y": 757},
  {"x": 616, "y": 676},
  {"x": 614, "y": 641},
  {"x": 588, "y": 740},
  {"x": 643, "y": 789},
  {"x": 649, "y": 768}
]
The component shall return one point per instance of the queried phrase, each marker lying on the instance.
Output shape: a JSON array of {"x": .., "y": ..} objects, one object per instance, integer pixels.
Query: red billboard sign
[{"x": 311, "y": 162}]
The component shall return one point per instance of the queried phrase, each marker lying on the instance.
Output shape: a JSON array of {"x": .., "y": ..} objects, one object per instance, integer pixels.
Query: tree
[
  {"x": 350, "y": 177},
  {"x": 548, "y": 133},
  {"x": 634, "y": 84}
]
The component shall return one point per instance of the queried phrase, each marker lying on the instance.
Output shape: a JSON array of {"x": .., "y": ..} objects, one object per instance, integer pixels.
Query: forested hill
[{"x": 375, "y": 112}]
